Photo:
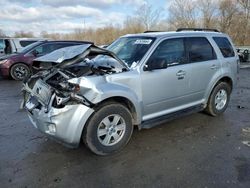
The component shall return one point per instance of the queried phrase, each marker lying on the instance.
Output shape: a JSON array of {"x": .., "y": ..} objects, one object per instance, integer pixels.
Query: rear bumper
[{"x": 64, "y": 124}]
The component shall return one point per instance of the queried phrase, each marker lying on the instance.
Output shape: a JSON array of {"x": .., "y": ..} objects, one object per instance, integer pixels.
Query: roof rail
[
  {"x": 151, "y": 31},
  {"x": 196, "y": 29}
]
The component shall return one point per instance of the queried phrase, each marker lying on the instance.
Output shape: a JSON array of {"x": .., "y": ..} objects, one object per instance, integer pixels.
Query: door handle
[
  {"x": 181, "y": 73},
  {"x": 214, "y": 67}
]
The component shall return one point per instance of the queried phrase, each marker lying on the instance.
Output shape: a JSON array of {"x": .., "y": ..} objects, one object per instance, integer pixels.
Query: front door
[{"x": 167, "y": 88}]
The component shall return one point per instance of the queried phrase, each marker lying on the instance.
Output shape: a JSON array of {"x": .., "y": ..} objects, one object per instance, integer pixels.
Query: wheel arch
[
  {"x": 124, "y": 101},
  {"x": 225, "y": 79}
]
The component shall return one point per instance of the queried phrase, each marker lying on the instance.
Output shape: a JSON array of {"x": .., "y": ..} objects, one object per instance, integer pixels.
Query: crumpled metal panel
[{"x": 60, "y": 55}]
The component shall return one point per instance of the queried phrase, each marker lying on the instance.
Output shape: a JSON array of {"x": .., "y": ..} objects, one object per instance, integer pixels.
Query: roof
[
  {"x": 67, "y": 41},
  {"x": 174, "y": 33}
]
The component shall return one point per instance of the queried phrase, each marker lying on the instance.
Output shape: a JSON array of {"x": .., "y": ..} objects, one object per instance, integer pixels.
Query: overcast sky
[{"x": 65, "y": 15}]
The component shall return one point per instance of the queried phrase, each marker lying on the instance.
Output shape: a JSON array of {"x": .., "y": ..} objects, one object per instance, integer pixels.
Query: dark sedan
[{"x": 19, "y": 65}]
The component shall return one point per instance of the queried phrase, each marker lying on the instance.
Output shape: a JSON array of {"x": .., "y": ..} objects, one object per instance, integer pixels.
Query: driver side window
[{"x": 170, "y": 52}]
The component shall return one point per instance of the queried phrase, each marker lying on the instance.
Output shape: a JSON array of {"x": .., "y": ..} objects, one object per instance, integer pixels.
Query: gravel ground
[{"x": 193, "y": 151}]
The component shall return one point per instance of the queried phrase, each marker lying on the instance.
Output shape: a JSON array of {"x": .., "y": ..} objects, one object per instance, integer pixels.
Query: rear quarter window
[
  {"x": 224, "y": 46},
  {"x": 199, "y": 49}
]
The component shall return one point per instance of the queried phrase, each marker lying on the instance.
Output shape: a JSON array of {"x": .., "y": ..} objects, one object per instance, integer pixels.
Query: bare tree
[
  {"x": 182, "y": 13},
  {"x": 148, "y": 16},
  {"x": 245, "y": 4},
  {"x": 245, "y": 9},
  {"x": 227, "y": 13},
  {"x": 208, "y": 10},
  {"x": 2, "y": 34},
  {"x": 24, "y": 34},
  {"x": 132, "y": 25}
]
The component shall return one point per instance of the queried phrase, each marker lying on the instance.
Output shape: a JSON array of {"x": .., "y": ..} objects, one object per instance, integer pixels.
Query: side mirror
[{"x": 155, "y": 64}]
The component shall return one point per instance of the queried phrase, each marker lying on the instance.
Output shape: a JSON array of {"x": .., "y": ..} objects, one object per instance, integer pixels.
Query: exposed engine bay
[{"x": 53, "y": 86}]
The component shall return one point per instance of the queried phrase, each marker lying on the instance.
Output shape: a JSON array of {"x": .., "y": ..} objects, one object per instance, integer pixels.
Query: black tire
[
  {"x": 96, "y": 143},
  {"x": 213, "y": 107},
  {"x": 246, "y": 52},
  {"x": 20, "y": 71}
]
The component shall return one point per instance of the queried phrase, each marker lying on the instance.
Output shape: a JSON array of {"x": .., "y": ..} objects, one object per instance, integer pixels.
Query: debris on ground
[
  {"x": 37, "y": 137},
  {"x": 240, "y": 107},
  {"x": 247, "y": 143},
  {"x": 246, "y": 130}
]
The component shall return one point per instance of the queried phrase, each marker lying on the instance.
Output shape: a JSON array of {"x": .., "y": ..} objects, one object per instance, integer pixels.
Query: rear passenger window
[
  {"x": 225, "y": 46},
  {"x": 199, "y": 49}
]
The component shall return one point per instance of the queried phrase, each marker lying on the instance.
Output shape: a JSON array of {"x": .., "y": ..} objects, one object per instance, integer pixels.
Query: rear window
[
  {"x": 199, "y": 49},
  {"x": 225, "y": 46},
  {"x": 25, "y": 43}
]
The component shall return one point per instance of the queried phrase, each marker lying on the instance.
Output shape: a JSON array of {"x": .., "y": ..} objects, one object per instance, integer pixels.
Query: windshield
[
  {"x": 131, "y": 49},
  {"x": 30, "y": 47}
]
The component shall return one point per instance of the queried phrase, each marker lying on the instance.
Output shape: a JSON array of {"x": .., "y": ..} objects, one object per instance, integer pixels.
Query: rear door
[{"x": 205, "y": 66}]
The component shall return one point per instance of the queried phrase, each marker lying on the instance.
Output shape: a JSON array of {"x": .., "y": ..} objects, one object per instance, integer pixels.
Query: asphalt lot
[{"x": 193, "y": 151}]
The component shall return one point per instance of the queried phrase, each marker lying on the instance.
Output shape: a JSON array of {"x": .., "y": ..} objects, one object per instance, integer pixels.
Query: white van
[{"x": 12, "y": 45}]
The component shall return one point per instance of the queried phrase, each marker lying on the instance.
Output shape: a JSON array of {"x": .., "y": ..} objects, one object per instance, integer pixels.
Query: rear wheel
[
  {"x": 19, "y": 71},
  {"x": 109, "y": 129},
  {"x": 219, "y": 99}
]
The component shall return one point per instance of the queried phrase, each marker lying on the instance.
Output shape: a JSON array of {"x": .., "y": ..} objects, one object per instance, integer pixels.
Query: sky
[{"x": 65, "y": 15}]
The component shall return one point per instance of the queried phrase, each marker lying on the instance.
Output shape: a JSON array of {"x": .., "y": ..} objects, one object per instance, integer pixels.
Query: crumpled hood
[
  {"x": 60, "y": 55},
  {"x": 71, "y": 55}
]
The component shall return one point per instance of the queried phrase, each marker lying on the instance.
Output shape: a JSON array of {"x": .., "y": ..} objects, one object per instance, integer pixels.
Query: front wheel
[
  {"x": 109, "y": 129},
  {"x": 219, "y": 99}
]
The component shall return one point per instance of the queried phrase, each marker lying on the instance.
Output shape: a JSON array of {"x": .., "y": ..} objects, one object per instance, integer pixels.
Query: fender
[{"x": 97, "y": 89}]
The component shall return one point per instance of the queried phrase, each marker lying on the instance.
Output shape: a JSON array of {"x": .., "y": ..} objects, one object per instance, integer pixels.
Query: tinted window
[
  {"x": 199, "y": 49},
  {"x": 225, "y": 46},
  {"x": 63, "y": 45},
  {"x": 171, "y": 51},
  {"x": 24, "y": 43},
  {"x": 30, "y": 47},
  {"x": 45, "y": 49}
]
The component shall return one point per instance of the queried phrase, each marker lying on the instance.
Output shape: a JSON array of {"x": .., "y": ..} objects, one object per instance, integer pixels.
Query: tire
[
  {"x": 219, "y": 99},
  {"x": 246, "y": 52},
  {"x": 19, "y": 71},
  {"x": 101, "y": 137}
]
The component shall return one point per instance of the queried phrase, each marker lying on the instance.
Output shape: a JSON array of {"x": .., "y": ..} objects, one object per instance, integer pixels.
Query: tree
[
  {"x": 148, "y": 16},
  {"x": 132, "y": 25},
  {"x": 182, "y": 13},
  {"x": 24, "y": 34},
  {"x": 227, "y": 13},
  {"x": 245, "y": 10},
  {"x": 208, "y": 9},
  {"x": 2, "y": 34}
]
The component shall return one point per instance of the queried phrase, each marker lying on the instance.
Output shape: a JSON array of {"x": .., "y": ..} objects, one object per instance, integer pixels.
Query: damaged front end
[{"x": 55, "y": 99}]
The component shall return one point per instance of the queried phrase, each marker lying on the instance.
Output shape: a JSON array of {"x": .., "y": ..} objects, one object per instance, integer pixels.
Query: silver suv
[{"x": 99, "y": 95}]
